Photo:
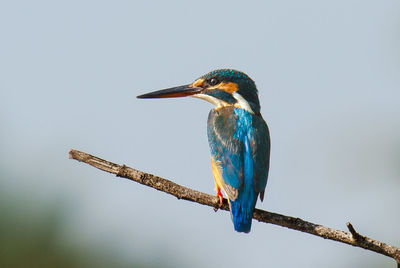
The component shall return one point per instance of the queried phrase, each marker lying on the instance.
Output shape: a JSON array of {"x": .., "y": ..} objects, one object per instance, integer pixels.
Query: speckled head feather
[
  {"x": 229, "y": 75},
  {"x": 245, "y": 86}
]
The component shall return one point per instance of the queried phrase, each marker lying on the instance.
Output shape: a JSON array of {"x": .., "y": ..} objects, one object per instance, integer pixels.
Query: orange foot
[{"x": 221, "y": 199}]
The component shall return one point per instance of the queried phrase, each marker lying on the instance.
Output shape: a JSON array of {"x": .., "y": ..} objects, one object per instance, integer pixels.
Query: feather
[{"x": 239, "y": 143}]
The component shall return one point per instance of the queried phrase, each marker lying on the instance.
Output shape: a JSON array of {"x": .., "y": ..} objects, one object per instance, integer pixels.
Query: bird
[{"x": 238, "y": 137}]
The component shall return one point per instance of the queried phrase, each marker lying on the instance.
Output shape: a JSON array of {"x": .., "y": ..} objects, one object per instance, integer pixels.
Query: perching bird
[{"x": 238, "y": 137}]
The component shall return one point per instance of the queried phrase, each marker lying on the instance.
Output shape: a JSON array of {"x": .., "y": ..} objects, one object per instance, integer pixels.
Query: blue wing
[
  {"x": 260, "y": 145},
  {"x": 239, "y": 143},
  {"x": 226, "y": 150}
]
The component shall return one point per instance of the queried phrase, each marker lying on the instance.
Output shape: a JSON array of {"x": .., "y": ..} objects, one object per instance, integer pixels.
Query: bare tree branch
[{"x": 353, "y": 238}]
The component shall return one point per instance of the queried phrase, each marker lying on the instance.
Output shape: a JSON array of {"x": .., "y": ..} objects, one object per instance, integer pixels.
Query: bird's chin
[{"x": 210, "y": 99}]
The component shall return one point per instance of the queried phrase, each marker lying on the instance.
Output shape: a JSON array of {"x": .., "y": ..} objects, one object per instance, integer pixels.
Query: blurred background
[{"x": 328, "y": 75}]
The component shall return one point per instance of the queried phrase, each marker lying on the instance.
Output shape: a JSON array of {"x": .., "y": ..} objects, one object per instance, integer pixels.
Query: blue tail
[
  {"x": 242, "y": 210},
  {"x": 243, "y": 206}
]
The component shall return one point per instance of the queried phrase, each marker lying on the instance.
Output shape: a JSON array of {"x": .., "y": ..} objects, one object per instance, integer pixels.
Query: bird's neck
[{"x": 242, "y": 103}]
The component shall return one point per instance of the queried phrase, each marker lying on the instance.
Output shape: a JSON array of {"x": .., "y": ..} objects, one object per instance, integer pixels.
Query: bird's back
[{"x": 239, "y": 143}]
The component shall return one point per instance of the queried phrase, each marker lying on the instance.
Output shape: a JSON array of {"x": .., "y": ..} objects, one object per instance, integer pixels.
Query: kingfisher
[{"x": 238, "y": 137}]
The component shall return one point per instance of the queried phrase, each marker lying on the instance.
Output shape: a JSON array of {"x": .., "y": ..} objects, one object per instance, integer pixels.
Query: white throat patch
[
  {"x": 242, "y": 103},
  {"x": 217, "y": 102}
]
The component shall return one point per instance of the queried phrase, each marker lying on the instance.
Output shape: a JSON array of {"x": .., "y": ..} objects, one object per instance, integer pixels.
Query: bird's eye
[{"x": 213, "y": 81}]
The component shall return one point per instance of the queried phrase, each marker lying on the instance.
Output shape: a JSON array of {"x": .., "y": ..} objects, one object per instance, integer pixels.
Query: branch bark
[{"x": 353, "y": 238}]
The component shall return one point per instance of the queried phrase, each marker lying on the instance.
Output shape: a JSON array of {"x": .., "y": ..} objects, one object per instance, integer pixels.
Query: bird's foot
[{"x": 221, "y": 200}]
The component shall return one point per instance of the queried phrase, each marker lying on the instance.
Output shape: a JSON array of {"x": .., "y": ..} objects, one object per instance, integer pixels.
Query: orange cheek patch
[{"x": 229, "y": 87}]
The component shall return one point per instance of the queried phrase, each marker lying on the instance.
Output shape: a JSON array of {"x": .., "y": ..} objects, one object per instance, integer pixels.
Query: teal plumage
[
  {"x": 239, "y": 141},
  {"x": 238, "y": 137}
]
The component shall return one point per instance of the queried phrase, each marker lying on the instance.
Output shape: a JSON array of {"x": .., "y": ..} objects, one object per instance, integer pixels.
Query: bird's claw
[{"x": 221, "y": 200}]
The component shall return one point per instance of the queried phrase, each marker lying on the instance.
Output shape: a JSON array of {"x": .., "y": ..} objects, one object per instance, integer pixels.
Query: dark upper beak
[{"x": 173, "y": 92}]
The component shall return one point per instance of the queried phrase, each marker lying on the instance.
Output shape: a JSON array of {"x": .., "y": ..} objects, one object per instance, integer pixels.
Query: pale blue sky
[{"x": 328, "y": 75}]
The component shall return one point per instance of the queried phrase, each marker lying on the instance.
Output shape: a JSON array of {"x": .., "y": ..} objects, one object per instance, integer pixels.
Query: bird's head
[{"x": 224, "y": 87}]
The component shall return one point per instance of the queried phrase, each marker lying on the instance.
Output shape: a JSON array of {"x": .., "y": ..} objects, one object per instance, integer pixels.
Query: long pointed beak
[{"x": 173, "y": 92}]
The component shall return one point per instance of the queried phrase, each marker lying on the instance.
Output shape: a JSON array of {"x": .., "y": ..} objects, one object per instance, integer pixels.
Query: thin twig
[
  {"x": 353, "y": 238},
  {"x": 354, "y": 233}
]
